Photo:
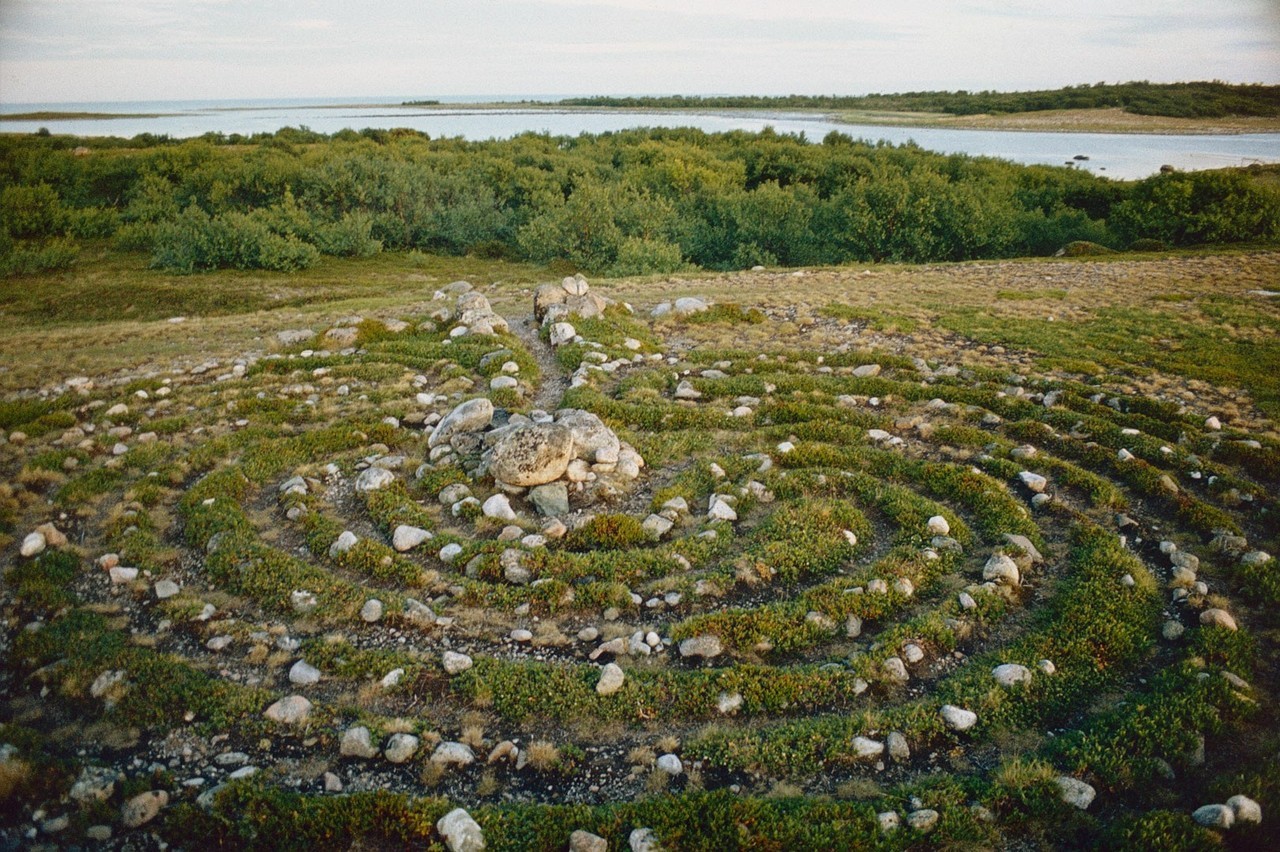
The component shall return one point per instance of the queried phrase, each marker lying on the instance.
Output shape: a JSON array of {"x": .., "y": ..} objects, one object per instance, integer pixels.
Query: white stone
[
  {"x": 1000, "y": 568},
  {"x": 405, "y": 537},
  {"x": 461, "y": 833},
  {"x": 864, "y": 748},
  {"x": 456, "y": 663},
  {"x": 401, "y": 747},
  {"x": 670, "y": 764},
  {"x": 303, "y": 673},
  {"x": 611, "y": 680},
  {"x": 1214, "y": 816},
  {"x": 372, "y": 610},
  {"x": 357, "y": 742},
  {"x": 958, "y": 718},
  {"x": 499, "y": 506},
  {"x": 291, "y": 710},
  {"x": 166, "y": 589},
  {"x": 33, "y": 544},
  {"x": 1011, "y": 674},
  {"x": 937, "y": 525},
  {"x": 1034, "y": 481},
  {"x": 374, "y": 479},
  {"x": 1245, "y": 809}
]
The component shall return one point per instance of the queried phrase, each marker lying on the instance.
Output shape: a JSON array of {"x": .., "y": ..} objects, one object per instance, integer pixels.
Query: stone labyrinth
[{"x": 577, "y": 577}]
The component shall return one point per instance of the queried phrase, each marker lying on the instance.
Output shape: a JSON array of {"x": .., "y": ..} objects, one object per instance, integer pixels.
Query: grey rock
[
  {"x": 374, "y": 479},
  {"x": 1011, "y": 674},
  {"x": 551, "y": 500},
  {"x": 166, "y": 589},
  {"x": 958, "y": 718},
  {"x": 532, "y": 455},
  {"x": 471, "y": 416},
  {"x": 707, "y": 647},
  {"x": 922, "y": 820},
  {"x": 371, "y": 611},
  {"x": 461, "y": 833},
  {"x": 1075, "y": 792},
  {"x": 1245, "y": 809},
  {"x": 1000, "y": 568},
  {"x": 591, "y": 437},
  {"x": 687, "y": 305},
  {"x": 405, "y": 537},
  {"x": 291, "y": 710},
  {"x": 865, "y": 748},
  {"x": 644, "y": 840},
  {"x": 455, "y": 663},
  {"x": 1214, "y": 816},
  {"x": 143, "y": 808},
  {"x": 303, "y": 674},
  {"x": 612, "y": 677},
  {"x": 585, "y": 841},
  {"x": 453, "y": 754},
  {"x": 670, "y": 764},
  {"x": 896, "y": 744},
  {"x": 357, "y": 742},
  {"x": 401, "y": 747}
]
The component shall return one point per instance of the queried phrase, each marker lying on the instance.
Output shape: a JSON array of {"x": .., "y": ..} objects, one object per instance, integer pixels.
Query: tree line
[
  {"x": 1180, "y": 100},
  {"x": 634, "y": 202}
]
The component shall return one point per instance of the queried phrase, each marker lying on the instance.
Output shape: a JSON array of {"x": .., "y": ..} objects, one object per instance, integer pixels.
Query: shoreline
[{"x": 1111, "y": 121}]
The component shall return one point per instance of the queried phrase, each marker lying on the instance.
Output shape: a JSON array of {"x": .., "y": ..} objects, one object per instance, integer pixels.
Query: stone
[
  {"x": 896, "y": 745},
  {"x": 143, "y": 808},
  {"x": 374, "y": 479},
  {"x": 1214, "y": 816},
  {"x": 686, "y": 390},
  {"x": 1034, "y": 481},
  {"x": 866, "y": 371},
  {"x": 344, "y": 542},
  {"x": 1001, "y": 569},
  {"x": 895, "y": 670},
  {"x": 551, "y": 500},
  {"x": 1218, "y": 618},
  {"x": 729, "y": 703},
  {"x": 33, "y": 544},
  {"x": 503, "y": 382},
  {"x": 889, "y": 822},
  {"x": 865, "y": 748},
  {"x": 937, "y": 525},
  {"x": 332, "y": 783},
  {"x": 1024, "y": 544},
  {"x": 611, "y": 679},
  {"x": 371, "y": 611},
  {"x": 958, "y": 718},
  {"x": 291, "y": 710},
  {"x": 561, "y": 333},
  {"x": 1245, "y": 809},
  {"x": 303, "y": 673},
  {"x": 707, "y": 647},
  {"x": 657, "y": 526},
  {"x": 357, "y": 742},
  {"x": 644, "y": 840},
  {"x": 532, "y": 455},
  {"x": 401, "y": 747},
  {"x": 166, "y": 589},
  {"x": 461, "y": 833},
  {"x": 471, "y": 416},
  {"x": 95, "y": 784},
  {"x": 1075, "y": 792},
  {"x": 585, "y": 841},
  {"x": 498, "y": 506},
  {"x": 853, "y": 626},
  {"x": 670, "y": 764},
  {"x": 453, "y": 754},
  {"x": 405, "y": 537},
  {"x": 456, "y": 663},
  {"x": 593, "y": 441},
  {"x": 687, "y": 305},
  {"x": 922, "y": 820},
  {"x": 721, "y": 511},
  {"x": 1011, "y": 674}
]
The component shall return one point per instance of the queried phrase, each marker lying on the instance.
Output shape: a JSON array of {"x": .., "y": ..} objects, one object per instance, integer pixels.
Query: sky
[{"x": 129, "y": 50}]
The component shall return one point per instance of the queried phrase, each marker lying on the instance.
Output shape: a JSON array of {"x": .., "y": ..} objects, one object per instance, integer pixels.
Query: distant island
[{"x": 1174, "y": 100}]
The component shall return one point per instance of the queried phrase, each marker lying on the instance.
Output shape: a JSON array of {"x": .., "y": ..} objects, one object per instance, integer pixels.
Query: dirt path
[{"x": 554, "y": 381}]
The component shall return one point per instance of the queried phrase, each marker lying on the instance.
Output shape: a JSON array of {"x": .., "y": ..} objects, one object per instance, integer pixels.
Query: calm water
[{"x": 1114, "y": 155}]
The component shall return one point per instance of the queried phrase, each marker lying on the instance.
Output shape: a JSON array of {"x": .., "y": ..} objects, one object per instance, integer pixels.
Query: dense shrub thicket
[
  {"x": 636, "y": 202},
  {"x": 1179, "y": 100}
]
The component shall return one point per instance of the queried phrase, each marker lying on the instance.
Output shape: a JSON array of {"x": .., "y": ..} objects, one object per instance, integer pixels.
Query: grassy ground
[{"x": 1108, "y": 367}]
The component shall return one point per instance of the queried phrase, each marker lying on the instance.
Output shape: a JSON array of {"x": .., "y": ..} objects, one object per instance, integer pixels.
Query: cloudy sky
[{"x": 120, "y": 50}]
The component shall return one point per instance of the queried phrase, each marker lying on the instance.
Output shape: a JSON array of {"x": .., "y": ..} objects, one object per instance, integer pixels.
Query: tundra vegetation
[
  {"x": 630, "y": 203},
  {"x": 955, "y": 554}
]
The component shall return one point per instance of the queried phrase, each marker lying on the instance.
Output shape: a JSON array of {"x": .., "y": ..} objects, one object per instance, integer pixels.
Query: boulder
[
  {"x": 357, "y": 742},
  {"x": 455, "y": 663},
  {"x": 707, "y": 647},
  {"x": 401, "y": 747},
  {"x": 1001, "y": 569},
  {"x": 585, "y": 841},
  {"x": 532, "y": 455},
  {"x": 471, "y": 416},
  {"x": 406, "y": 537},
  {"x": 551, "y": 500},
  {"x": 687, "y": 305},
  {"x": 1011, "y": 674},
  {"x": 1214, "y": 816},
  {"x": 1245, "y": 809},
  {"x": 143, "y": 808},
  {"x": 374, "y": 479}
]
